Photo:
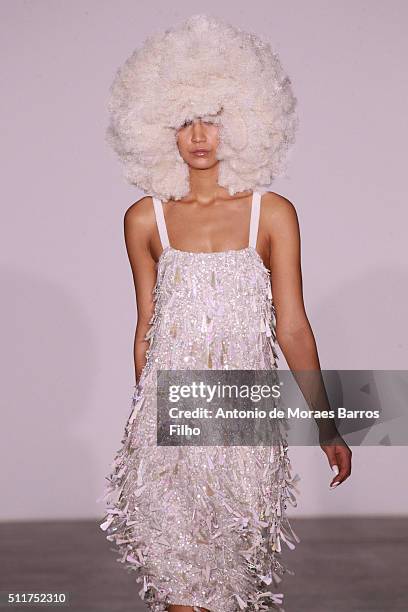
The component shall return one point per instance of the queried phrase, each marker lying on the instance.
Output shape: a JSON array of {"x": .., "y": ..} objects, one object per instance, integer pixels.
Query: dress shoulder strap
[
  {"x": 254, "y": 223},
  {"x": 161, "y": 222}
]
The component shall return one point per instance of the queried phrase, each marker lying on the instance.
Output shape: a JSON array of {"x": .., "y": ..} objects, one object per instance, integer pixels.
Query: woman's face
[{"x": 197, "y": 142}]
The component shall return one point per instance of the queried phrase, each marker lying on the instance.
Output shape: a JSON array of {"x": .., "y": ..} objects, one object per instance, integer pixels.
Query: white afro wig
[{"x": 203, "y": 68}]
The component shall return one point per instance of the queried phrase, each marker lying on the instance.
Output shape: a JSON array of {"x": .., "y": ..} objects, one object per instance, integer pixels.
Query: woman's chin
[{"x": 201, "y": 162}]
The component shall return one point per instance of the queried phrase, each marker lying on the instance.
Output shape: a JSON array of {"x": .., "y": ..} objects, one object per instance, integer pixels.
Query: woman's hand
[{"x": 339, "y": 456}]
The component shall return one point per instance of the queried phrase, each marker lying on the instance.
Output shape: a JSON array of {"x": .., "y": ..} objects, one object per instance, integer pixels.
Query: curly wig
[{"x": 209, "y": 69}]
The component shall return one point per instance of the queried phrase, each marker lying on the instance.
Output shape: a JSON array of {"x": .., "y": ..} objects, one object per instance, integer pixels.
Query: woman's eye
[{"x": 187, "y": 123}]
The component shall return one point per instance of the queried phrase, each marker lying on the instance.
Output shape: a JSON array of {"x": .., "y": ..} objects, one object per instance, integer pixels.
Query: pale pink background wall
[{"x": 68, "y": 309}]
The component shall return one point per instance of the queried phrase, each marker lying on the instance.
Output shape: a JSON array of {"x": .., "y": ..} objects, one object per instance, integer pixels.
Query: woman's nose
[{"x": 198, "y": 131}]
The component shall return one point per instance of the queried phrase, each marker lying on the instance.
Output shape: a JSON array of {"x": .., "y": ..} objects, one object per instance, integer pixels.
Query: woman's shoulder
[
  {"x": 139, "y": 217},
  {"x": 140, "y": 207},
  {"x": 140, "y": 212},
  {"x": 277, "y": 206},
  {"x": 279, "y": 218}
]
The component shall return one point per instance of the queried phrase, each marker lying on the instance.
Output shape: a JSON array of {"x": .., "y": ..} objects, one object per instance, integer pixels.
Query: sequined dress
[{"x": 203, "y": 526}]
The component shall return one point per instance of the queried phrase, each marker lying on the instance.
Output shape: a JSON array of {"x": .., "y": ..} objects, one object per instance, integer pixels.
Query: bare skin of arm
[
  {"x": 293, "y": 331},
  {"x": 139, "y": 225}
]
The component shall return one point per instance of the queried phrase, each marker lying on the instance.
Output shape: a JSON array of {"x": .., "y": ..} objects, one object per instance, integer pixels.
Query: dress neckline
[
  {"x": 248, "y": 249},
  {"x": 209, "y": 252}
]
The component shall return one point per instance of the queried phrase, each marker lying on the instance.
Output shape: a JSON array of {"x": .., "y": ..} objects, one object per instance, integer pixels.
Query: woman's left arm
[{"x": 293, "y": 331}]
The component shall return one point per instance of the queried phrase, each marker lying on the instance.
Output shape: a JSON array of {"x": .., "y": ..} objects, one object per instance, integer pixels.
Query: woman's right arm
[{"x": 138, "y": 228}]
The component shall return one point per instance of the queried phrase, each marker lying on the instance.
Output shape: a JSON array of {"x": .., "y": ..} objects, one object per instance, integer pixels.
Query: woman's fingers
[
  {"x": 343, "y": 460},
  {"x": 340, "y": 462}
]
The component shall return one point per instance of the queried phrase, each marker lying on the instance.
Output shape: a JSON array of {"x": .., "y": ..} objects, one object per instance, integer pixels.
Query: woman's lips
[{"x": 200, "y": 152}]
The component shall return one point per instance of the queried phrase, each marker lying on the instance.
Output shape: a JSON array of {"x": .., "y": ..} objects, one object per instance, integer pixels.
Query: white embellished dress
[{"x": 203, "y": 526}]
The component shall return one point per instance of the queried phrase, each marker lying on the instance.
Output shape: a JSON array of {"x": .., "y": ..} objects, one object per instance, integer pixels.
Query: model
[{"x": 203, "y": 116}]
